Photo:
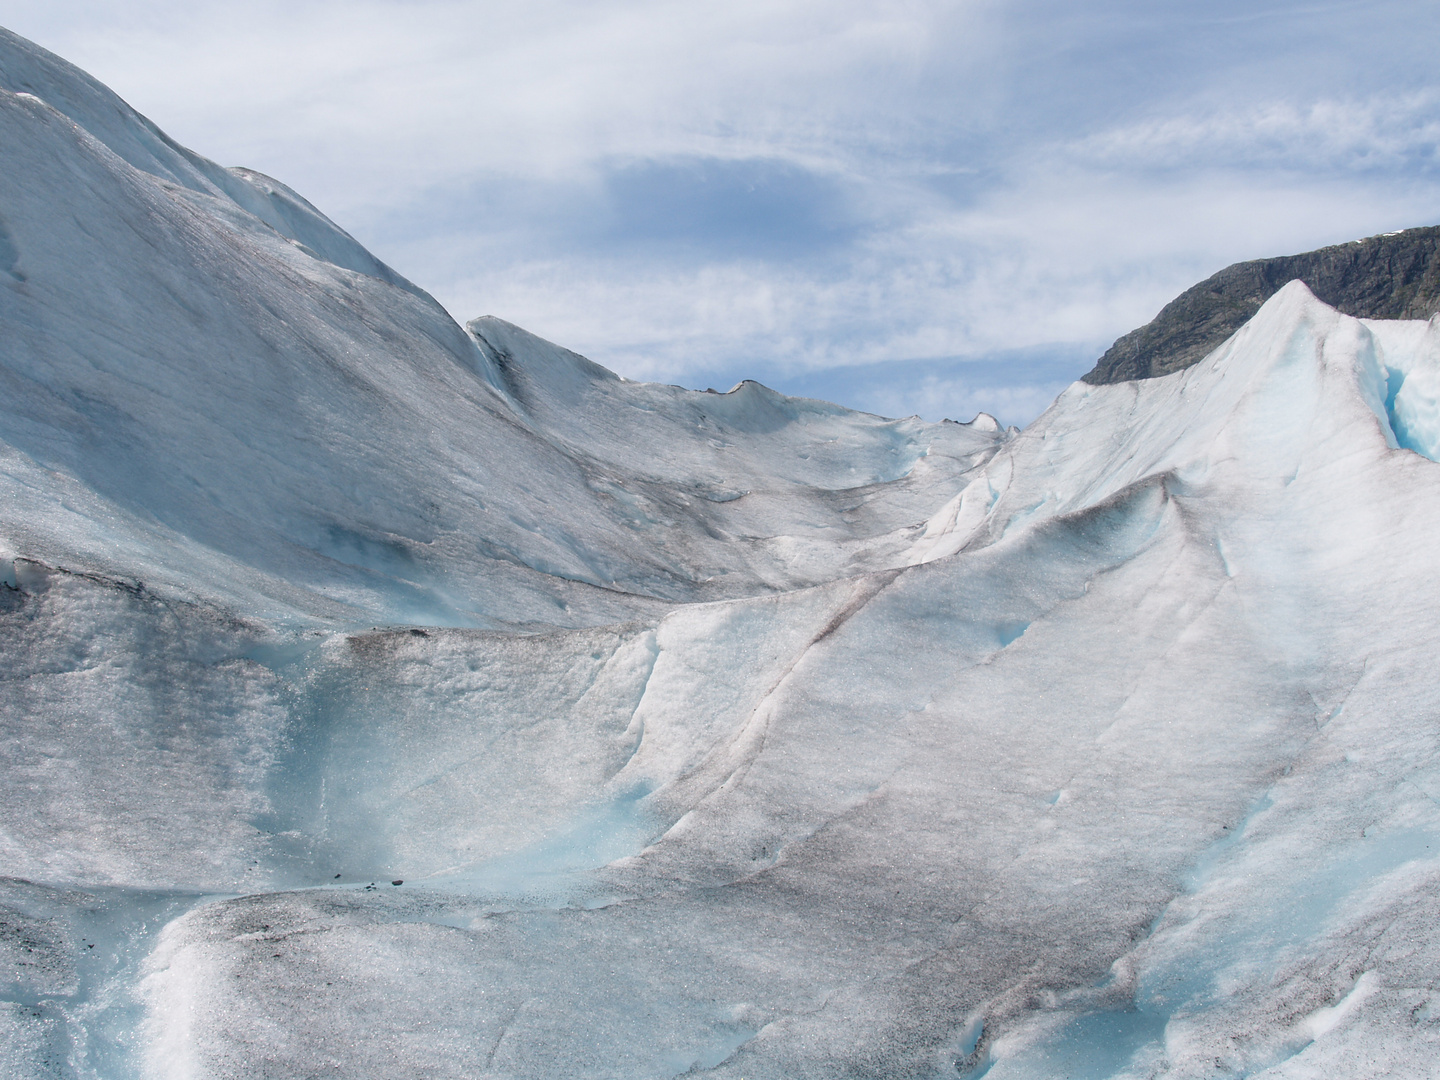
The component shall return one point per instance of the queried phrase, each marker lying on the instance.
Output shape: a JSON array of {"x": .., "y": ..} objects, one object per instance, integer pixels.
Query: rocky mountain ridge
[{"x": 1390, "y": 276}]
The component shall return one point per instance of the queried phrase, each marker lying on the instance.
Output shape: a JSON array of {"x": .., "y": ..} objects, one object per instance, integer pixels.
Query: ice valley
[{"x": 726, "y": 734}]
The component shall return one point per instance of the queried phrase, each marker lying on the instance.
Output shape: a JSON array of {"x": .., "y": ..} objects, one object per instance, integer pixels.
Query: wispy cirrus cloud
[{"x": 1381, "y": 132}]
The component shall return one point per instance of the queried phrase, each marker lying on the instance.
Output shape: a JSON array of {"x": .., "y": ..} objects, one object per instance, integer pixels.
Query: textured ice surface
[{"x": 382, "y": 698}]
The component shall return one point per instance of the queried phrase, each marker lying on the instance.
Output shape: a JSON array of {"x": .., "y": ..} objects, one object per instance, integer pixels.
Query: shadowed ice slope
[
  {"x": 233, "y": 400},
  {"x": 387, "y": 699}
]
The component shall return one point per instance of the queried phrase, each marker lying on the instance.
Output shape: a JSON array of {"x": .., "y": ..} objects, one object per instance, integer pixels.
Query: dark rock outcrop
[{"x": 1394, "y": 276}]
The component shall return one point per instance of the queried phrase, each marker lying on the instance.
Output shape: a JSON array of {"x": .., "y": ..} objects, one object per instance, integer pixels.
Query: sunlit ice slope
[
  {"x": 208, "y": 383},
  {"x": 726, "y": 734},
  {"x": 1138, "y": 780}
]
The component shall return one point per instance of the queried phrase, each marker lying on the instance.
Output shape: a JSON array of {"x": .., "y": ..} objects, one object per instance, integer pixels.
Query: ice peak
[
  {"x": 27, "y": 68},
  {"x": 1300, "y": 388},
  {"x": 984, "y": 422}
]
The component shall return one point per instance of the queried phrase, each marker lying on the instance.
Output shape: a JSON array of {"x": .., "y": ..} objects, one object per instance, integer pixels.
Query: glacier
[{"x": 383, "y": 697}]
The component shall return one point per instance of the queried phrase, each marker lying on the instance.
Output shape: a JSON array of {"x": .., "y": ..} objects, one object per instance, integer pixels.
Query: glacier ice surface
[{"x": 704, "y": 733}]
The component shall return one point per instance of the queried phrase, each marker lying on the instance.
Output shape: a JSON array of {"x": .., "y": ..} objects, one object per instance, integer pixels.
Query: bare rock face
[{"x": 1394, "y": 276}]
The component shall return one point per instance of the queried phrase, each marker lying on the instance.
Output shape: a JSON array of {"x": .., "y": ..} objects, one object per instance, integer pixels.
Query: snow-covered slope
[{"x": 728, "y": 734}]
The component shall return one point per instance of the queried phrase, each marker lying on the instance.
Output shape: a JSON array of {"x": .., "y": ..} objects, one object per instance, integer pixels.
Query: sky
[{"x": 900, "y": 205}]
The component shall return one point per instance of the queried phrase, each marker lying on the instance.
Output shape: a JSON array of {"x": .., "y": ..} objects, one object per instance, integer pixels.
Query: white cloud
[
  {"x": 1072, "y": 257},
  {"x": 407, "y": 96}
]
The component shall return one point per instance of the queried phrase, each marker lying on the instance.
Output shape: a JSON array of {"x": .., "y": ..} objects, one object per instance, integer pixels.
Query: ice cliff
[{"x": 387, "y": 698}]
